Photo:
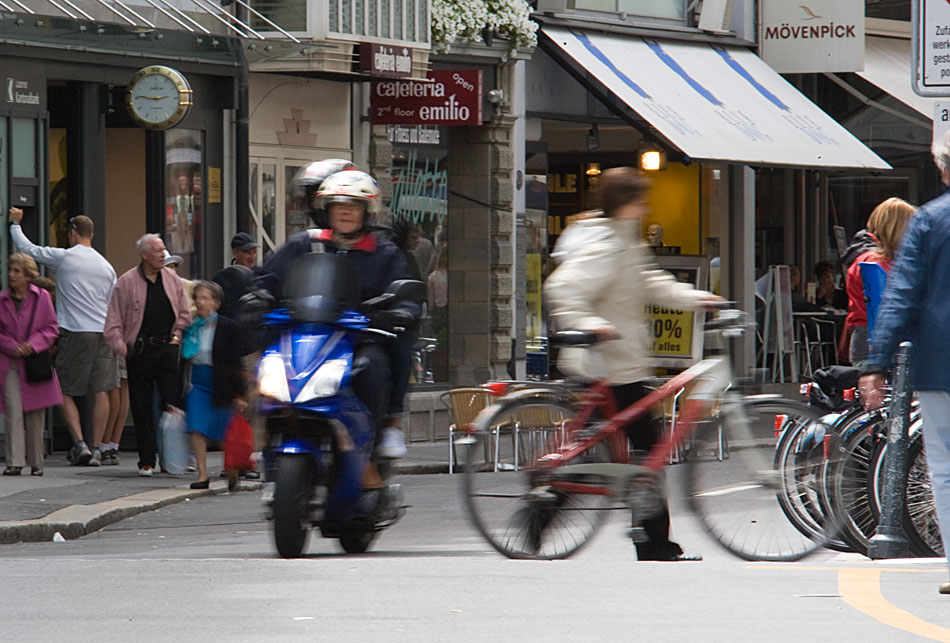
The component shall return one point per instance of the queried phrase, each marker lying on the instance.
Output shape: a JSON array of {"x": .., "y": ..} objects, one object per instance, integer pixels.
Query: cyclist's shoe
[
  {"x": 674, "y": 558},
  {"x": 945, "y": 588}
]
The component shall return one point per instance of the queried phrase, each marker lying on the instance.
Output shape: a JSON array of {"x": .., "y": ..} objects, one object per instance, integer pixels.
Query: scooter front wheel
[
  {"x": 356, "y": 541},
  {"x": 293, "y": 491}
]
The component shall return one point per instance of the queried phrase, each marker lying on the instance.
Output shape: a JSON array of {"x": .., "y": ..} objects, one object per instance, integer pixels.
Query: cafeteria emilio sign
[{"x": 451, "y": 97}]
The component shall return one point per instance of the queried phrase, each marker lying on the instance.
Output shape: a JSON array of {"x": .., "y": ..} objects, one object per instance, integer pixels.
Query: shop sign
[
  {"x": 934, "y": 45},
  {"x": 813, "y": 36},
  {"x": 25, "y": 92},
  {"x": 385, "y": 60},
  {"x": 676, "y": 336},
  {"x": 414, "y": 134},
  {"x": 941, "y": 121},
  {"x": 214, "y": 184},
  {"x": 452, "y": 97}
]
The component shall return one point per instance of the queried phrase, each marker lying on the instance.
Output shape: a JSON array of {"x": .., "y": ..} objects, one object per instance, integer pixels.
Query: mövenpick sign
[
  {"x": 813, "y": 35},
  {"x": 453, "y": 97}
]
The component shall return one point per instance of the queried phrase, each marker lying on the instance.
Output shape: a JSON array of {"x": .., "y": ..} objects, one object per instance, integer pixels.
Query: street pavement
[
  {"x": 76, "y": 501},
  {"x": 204, "y": 567}
]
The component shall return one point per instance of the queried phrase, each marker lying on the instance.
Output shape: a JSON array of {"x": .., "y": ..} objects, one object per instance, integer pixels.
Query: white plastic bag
[{"x": 173, "y": 428}]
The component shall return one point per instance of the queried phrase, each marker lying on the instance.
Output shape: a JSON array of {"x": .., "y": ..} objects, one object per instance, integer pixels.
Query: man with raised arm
[{"x": 84, "y": 363}]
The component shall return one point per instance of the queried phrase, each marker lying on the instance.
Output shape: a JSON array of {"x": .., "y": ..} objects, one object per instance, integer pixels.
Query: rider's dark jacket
[{"x": 378, "y": 262}]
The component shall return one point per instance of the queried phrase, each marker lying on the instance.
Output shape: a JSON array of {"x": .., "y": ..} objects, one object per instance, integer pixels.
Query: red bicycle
[{"x": 572, "y": 464}]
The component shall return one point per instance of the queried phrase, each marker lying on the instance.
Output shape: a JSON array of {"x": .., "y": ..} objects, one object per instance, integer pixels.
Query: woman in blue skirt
[{"x": 213, "y": 345}]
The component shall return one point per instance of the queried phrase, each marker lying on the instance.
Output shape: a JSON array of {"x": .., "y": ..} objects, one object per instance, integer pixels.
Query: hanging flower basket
[{"x": 482, "y": 21}]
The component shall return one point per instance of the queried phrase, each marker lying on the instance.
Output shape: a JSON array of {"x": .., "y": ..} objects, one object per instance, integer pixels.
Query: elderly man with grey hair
[
  {"x": 916, "y": 307},
  {"x": 147, "y": 315}
]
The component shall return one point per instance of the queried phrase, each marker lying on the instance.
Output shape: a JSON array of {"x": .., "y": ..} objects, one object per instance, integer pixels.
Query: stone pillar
[{"x": 480, "y": 251}]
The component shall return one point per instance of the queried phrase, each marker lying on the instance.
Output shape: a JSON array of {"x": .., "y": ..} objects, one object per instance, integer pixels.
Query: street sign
[{"x": 930, "y": 29}]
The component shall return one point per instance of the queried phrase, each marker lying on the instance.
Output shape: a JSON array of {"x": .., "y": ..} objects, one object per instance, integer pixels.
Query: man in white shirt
[{"x": 84, "y": 362}]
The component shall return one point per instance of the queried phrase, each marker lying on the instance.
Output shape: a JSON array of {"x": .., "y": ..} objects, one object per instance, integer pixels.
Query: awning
[
  {"x": 713, "y": 102},
  {"x": 887, "y": 65}
]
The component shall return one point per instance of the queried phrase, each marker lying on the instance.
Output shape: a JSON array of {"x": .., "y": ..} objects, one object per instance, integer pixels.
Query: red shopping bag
[{"x": 238, "y": 444}]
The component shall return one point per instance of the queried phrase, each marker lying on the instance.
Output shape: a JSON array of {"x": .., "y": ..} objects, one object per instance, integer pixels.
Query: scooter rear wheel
[{"x": 293, "y": 491}]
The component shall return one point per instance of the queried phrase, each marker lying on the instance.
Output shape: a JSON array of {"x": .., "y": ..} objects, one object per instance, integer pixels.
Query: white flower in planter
[{"x": 468, "y": 20}]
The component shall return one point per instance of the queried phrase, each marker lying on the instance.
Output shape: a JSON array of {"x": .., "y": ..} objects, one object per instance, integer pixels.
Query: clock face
[{"x": 158, "y": 97}]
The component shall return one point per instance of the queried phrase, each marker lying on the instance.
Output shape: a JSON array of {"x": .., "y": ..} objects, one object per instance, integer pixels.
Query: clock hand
[{"x": 154, "y": 97}]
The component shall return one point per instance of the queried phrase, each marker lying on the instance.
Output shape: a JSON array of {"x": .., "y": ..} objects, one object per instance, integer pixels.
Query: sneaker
[
  {"x": 945, "y": 588},
  {"x": 96, "y": 459},
  {"x": 110, "y": 457},
  {"x": 146, "y": 471},
  {"x": 393, "y": 443},
  {"x": 79, "y": 454}
]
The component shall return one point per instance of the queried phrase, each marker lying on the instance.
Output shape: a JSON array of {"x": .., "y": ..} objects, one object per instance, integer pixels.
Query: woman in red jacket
[{"x": 886, "y": 225}]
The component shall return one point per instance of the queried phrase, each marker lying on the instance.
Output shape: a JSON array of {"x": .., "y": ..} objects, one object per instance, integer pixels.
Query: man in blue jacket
[
  {"x": 351, "y": 198},
  {"x": 916, "y": 306}
]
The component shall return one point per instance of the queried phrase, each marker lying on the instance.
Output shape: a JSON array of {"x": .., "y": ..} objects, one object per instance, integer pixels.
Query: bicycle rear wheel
[
  {"x": 519, "y": 512},
  {"x": 918, "y": 513},
  {"x": 743, "y": 501}
]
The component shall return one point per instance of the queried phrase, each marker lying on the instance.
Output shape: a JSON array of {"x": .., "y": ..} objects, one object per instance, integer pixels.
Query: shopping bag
[
  {"x": 173, "y": 429},
  {"x": 238, "y": 444}
]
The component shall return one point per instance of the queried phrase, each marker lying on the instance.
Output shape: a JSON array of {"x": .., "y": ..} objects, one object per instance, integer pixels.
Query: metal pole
[{"x": 889, "y": 541}]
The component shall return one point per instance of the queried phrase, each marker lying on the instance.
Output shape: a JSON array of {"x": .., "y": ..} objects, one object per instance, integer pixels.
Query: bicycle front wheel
[
  {"x": 521, "y": 510},
  {"x": 743, "y": 501}
]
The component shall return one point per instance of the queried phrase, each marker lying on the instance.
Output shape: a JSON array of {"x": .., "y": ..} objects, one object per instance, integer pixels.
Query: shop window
[
  {"x": 296, "y": 214},
  {"x": 419, "y": 207},
  {"x": 665, "y": 9},
  {"x": 269, "y": 201},
  {"x": 184, "y": 172},
  {"x": 24, "y": 142},
  {"x": 385, "y": 30}
]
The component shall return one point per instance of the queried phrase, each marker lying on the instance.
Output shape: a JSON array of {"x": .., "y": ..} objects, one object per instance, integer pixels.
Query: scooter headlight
[
  {"x": 273, "y": 378},
  {"x": 325, "y": 382}
]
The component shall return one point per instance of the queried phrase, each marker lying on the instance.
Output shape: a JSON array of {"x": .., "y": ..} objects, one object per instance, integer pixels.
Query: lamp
[
  {"x": 652, "y": 158},
  {"x": 593, "y": 169}
]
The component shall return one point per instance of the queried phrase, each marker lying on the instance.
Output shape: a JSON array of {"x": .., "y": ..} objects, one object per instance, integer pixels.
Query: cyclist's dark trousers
[
  {"x": 643, "y": 434},
  {"x": 402, "y": 367},
  {"x": 372, "y": 380}
]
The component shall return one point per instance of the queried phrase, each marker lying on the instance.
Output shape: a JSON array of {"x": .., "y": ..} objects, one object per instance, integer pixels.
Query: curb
[
  {"x": 417, "y": 468},
  {"x": 77, "y": 521}
]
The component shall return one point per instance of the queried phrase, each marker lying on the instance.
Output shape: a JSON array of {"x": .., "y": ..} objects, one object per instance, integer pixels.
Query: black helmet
[{"x": 307, "y": 181}]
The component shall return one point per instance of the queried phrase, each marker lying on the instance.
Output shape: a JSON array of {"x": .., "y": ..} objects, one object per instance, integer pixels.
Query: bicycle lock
[{"x": 889, "y": 541}]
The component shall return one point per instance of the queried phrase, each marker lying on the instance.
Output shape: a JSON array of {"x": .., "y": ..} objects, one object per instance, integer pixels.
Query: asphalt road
[{"x": 206, "y": 570}]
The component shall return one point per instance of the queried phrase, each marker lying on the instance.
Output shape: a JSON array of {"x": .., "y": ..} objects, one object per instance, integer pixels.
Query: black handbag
[{"x": 37, "y": 367}]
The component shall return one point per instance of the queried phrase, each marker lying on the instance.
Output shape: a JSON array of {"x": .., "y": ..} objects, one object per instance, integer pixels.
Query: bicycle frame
[{"x": 712, "y": 376}]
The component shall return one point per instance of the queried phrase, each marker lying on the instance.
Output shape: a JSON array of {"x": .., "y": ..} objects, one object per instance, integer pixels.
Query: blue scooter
[{"x": 318, "y": 467}]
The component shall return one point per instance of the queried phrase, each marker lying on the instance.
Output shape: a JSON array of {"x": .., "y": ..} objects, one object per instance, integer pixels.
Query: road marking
[
  {"x": 728, "y": 490},
  {"x": 861, "y": 589}
]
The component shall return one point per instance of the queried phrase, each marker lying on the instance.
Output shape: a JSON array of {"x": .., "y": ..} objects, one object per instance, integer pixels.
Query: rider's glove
[{"x": 391, "y": 320}]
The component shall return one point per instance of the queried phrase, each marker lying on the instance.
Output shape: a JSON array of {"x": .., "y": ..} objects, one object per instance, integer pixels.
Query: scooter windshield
[{"x": 320, "y": 286}]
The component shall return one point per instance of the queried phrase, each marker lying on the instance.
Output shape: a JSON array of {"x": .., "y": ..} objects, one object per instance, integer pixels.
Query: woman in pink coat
[{"x": 23, "y": 402}]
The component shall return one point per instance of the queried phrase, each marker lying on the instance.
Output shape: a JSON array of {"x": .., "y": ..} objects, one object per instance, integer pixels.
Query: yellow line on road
[{"x": 861, "y": 589}]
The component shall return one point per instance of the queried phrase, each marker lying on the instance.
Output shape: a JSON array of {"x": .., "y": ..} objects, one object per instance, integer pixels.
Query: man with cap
[{"x": 235, "y": 281}]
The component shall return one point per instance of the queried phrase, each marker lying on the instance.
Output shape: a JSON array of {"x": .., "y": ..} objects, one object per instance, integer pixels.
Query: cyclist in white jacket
[{"x": 603, "y": 286}]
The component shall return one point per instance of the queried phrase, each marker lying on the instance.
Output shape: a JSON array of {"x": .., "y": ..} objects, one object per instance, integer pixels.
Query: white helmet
[{"x": 349, "y": 186}]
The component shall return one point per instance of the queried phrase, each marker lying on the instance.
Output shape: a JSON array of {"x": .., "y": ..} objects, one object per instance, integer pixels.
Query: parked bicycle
[{"x": 575, "y": 463}]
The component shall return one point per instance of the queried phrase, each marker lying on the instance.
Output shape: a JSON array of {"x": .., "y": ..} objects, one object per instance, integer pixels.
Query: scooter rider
[{"x": 352, "y": 199}]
